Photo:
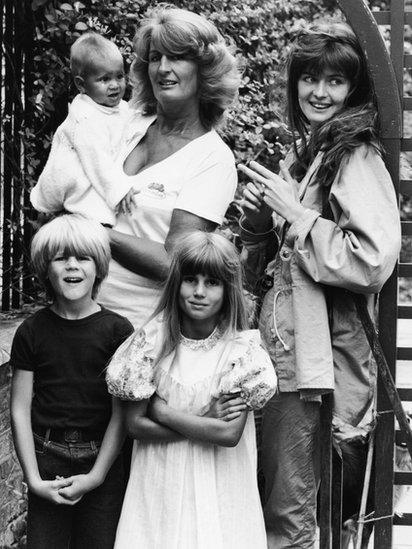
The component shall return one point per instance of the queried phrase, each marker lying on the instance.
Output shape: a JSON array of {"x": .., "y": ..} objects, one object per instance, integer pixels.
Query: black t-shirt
[{"x": 68, "y": 359}]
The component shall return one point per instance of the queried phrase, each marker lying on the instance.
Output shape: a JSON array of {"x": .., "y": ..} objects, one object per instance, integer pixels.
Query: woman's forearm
[{"x": 141, "y": 256}]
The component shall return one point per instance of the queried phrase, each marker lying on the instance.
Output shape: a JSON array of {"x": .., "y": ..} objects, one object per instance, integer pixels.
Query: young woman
[
  {"x": 332, "y": 217},
  {"x": 193, "y": 474}
]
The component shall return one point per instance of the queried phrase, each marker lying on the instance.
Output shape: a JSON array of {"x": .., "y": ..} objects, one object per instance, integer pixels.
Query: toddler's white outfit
[{"x": 80, "y": 175}]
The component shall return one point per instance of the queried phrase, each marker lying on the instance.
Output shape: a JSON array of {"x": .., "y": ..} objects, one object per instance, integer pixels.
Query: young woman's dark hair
[{"x": 336, "y": 47}]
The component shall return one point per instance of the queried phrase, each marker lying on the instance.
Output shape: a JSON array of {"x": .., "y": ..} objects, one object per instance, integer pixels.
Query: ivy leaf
[
  {"x": 81, "y": 26},
  {"x": 66, "y": 7}
]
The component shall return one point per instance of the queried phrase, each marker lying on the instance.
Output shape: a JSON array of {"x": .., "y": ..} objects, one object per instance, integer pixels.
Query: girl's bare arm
[
  {"x": 202, "y": 428},
  {"x": 140, "y": 426}
]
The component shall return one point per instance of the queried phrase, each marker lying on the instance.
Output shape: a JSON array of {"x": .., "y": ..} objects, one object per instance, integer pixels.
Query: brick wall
[{"x": 12, "y": 488}]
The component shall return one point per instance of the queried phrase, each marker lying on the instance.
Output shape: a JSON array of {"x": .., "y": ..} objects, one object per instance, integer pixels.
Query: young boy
[
  {"x": 66, "y": 430},
  {"x": 80, "y": 175}
]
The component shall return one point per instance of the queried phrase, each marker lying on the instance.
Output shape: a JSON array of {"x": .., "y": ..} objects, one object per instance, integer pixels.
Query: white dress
[
  {"x": 200, "y": 178},
  {"x": 190, "y": 494}
]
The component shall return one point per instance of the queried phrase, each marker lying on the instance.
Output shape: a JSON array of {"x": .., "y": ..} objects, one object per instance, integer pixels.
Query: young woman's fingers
[
  {"x": 285, "y": 172},
  {"x": 252, "y": 174},
  {"x": 252, "y": 198},
  {"x": 256, "y": 189},
  {"x": 262, "y": 170}
]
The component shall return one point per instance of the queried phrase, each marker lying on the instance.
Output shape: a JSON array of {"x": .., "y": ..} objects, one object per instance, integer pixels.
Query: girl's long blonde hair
[{"x": 202, "y": 253}]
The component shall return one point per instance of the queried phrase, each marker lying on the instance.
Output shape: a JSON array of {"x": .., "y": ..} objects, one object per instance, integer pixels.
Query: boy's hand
[
  {"x": 125, "y": 205},
  {"x": 227, "y": 407},
  {"x": 79, "y": 485},
  {"x": 49, "y": 489}
]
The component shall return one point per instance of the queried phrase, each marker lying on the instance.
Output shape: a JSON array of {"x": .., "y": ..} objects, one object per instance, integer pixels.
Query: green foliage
[{"x": 259, "y": 31}]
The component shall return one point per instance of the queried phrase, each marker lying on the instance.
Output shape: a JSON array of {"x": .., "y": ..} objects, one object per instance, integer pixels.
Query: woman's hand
[
  {"x": 279, "y": 193},
  {"x": 256, "y": 211},
  {"x": 227, "y": 407}
]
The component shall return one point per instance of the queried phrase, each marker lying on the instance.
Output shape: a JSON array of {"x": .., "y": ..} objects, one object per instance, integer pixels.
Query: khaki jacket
[{"x": 357, "y": 252}]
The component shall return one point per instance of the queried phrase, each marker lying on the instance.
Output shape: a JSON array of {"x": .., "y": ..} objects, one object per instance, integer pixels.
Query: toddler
[{"x": 80, "y": 174}]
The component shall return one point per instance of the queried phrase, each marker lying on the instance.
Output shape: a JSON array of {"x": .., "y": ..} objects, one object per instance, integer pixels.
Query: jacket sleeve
[
  {"x": 257, "y": 252},
  {"x": 358, "y": 250}
]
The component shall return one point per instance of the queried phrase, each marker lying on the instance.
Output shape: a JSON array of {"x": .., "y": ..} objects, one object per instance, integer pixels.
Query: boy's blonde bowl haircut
[
  {"x": 71, "y": 234},
  {"x": 89, "y": 48}
]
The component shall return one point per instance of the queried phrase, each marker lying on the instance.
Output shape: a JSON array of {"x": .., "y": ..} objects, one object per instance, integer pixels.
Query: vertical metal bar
[
  {"x": 397, "y": 40},
  {"x": 385, "y": 433},
  {"x": 337, "y": 494},
  {"x": 8, "y": 151},
  {"x": 16, "y": 218},
  {"x": 325, "y": 503},
  {"x": 28, "y": 48}
]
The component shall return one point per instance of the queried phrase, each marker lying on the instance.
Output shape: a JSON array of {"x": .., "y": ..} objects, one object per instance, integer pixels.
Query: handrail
[{"x": 366, "y": 29}]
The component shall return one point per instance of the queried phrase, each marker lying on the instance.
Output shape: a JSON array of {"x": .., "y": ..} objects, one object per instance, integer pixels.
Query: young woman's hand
[
  {"x": 227, "y": 407},
  {"x": 280, "y": 194},
  {"x": 49, "y": 489},
  {"x": 256, "y": 211}
]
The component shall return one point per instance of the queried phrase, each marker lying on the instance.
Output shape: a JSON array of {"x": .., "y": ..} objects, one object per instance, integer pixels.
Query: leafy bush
[{"x": 260, "y": 32}]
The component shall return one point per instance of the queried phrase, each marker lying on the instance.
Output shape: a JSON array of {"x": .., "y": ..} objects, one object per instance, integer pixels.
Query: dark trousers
[
  {"x": 290, "y": 455},
  {"x": 92, "y": 522}
]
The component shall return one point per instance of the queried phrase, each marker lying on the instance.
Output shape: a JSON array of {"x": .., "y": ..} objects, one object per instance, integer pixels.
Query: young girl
[
  {"x": 186, "y": 374},
  {"x": 64, "y": 424},
  {"x": 333, "y": 216}
]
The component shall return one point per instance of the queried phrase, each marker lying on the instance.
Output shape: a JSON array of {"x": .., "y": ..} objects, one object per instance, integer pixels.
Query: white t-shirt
[{"x": 199, "y": 178}]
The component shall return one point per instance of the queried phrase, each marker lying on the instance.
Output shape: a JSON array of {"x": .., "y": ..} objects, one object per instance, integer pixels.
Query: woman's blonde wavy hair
[{"x": 183, "y": 33}]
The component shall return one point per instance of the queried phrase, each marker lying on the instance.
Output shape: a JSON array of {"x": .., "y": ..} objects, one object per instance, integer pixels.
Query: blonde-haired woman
[{"x": 184, "y": 78}]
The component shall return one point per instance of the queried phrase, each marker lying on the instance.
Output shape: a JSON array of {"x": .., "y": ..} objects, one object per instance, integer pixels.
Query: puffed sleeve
[
  {"x": 130, "y": 374},
  {"x": 358, "y": 250},
  {"x": 250, "y": 371}
]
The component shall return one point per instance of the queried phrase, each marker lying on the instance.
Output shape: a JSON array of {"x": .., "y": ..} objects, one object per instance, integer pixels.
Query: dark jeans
[
  {"x": 91, "y": 523},
  {"x": 290, "y": 454}
]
